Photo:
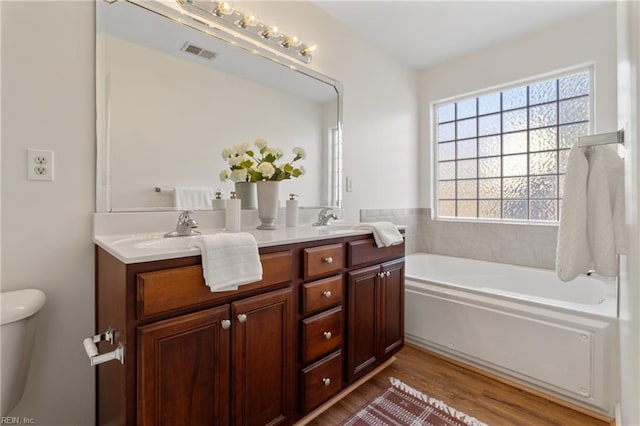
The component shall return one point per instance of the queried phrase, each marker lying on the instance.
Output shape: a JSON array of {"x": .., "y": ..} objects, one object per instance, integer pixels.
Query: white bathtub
[{"x": 518, "y": 322}]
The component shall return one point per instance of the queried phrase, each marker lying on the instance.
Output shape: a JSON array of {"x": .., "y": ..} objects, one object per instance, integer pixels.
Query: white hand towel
[
  {"x": 193, "y": 197},
  {"x": 605, "y": 209},
  {"x": 573, "y": 254},
  {"x": 229, "y": 260},
  {"x": 385, "y": 234}
]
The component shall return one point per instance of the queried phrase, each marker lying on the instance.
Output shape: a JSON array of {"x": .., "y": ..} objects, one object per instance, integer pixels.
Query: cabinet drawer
[
  {"x": 322, "y": 260},
  {"x": 321, "y": 381},
  {"x": 320, "y": 294},
  {"x": 365, "y": 251},
  {"x": 321, "y": 334},
  {"x": 176, "y": 288}
]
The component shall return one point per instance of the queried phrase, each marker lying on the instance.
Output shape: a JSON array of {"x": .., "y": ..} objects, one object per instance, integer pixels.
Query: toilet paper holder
[{"x": 91, "y": 348}]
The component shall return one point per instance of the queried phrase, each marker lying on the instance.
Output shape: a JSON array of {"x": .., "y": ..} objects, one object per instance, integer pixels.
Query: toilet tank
[{"x": 18, "y": 311}]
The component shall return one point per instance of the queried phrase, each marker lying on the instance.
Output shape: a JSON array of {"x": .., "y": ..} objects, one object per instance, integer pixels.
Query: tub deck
[{"x": 538, "y": 287}]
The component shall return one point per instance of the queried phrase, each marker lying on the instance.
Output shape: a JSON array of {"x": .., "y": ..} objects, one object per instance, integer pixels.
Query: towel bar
[
  {"x": 602, "y": 138},
  {"x": 165, "y": 189}
]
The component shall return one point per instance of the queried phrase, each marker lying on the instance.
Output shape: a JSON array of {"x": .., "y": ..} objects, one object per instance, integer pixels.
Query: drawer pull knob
[
  {"x": 327, "y": 293},
  {"x": 225, "y": 324},
  {"x": 326, "y": 381},
  {"x": 328, "y": 260},
  {"x": 327, "y": 335},
  {"x": 242, "y": 318}
]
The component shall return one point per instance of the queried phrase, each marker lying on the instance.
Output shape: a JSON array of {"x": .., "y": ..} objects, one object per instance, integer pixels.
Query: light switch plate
[{"x": 39, "y": 164}]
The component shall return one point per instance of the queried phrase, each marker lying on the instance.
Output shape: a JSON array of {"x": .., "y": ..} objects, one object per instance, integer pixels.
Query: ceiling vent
[{"x": 198, "y": 51}]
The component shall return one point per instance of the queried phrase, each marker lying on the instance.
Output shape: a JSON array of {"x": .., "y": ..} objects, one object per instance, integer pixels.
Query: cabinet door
[
  {"x": 363, "y": 299},
  {"x": 263, "y": 359},
  {"x": 392, "y": 305},
  {"x": 183, "y": 370}
]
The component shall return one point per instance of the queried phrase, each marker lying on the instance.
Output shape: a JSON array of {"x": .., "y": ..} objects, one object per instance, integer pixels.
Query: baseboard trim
[
  {"x": 514, "y": 384},
  {"x": 346, "y": 391}
]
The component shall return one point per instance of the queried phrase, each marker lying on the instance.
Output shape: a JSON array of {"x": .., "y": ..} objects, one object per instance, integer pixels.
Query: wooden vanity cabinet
[
  {"x": 193, "y": 356},
  {"x": 324, "y": 314},
  {"x": 321, "y": 324},
  {"x": 184, "y": 370},
  {"x": 369, "y": 314},
  {"x": 185, "y": 365},
  {"x": 263, "y": 359},
  {"x": 375, "y": 309}
]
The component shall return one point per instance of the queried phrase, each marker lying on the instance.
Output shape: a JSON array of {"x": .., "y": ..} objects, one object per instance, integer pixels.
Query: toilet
[{"x": 19, "y": 311}]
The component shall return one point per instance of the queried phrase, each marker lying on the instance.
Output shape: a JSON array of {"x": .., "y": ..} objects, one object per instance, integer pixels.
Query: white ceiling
[{"x": 424, "y": 33}]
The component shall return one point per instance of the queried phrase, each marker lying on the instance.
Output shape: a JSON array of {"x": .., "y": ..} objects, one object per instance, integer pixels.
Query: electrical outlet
[
  {"x": 349, "y": 184},
  {"x": 39, "y": 164}
]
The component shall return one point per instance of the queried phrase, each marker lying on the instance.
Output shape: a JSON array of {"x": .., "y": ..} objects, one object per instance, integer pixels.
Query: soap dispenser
[
  {"x": 232, "y": 214},
  {"x": 219, "y": 203},
  {"x": 291, "y": 219}
]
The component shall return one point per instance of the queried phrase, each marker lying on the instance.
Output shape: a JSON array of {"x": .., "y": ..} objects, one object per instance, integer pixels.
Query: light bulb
[
  {"x": 248, "y": 21},
  {"x": 272, "y": 32},
  {"x": 291, "y": 41},
  {"x": 223, "y": 8},
  {"x": 309, "y": 50}
]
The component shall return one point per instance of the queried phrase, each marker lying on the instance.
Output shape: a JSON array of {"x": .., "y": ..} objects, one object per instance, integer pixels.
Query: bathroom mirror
[{"x": 171, "y": 93}]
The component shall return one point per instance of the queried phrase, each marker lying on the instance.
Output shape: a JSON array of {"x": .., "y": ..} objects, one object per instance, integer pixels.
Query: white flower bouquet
[{"x": 247, "y": 165}]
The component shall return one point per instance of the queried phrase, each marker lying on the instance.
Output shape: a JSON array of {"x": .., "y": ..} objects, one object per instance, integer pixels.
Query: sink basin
[
  {"x": 338, "y": 226},
  {"x": 165, "y": 243},
  {"x": 335, "y": 228}
]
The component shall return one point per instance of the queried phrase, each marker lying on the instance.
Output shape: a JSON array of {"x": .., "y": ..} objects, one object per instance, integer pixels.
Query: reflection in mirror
[{"x": 170, "y": 97}]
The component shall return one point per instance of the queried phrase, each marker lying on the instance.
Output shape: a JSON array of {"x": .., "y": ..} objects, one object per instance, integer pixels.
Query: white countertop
[{"x": 145, "y": 247}]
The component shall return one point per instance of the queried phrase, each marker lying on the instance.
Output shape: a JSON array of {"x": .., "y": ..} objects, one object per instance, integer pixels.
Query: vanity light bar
[{"x": 221, "y": 12}]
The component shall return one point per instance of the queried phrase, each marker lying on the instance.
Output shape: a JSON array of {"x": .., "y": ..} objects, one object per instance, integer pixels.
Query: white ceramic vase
[
  {"x": 246, "y": 191},
  {"x": 268, "y": 204}
]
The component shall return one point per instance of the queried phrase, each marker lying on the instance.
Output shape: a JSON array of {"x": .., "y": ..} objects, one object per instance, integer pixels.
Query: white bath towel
[
  {"x": 573, "y": 254},
  {"x": 605, "y": 209},
  {"x": 385, "y": 234},
  {"x": 619, "y": 214},
  {"x": 193, "y": 197},
  {"x": 229, "y": 260}
]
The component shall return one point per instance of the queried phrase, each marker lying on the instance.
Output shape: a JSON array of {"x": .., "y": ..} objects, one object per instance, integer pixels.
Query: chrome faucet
[
  {"x": 185, "y": 225},
  {"x": 324, "y": 216}
]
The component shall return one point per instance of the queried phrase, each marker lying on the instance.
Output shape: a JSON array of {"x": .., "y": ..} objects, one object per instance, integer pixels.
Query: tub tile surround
[{"x": 516, "y": 244}]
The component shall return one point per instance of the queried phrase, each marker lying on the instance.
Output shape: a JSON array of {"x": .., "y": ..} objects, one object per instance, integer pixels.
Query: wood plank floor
[{"x": 490, "y": 401}]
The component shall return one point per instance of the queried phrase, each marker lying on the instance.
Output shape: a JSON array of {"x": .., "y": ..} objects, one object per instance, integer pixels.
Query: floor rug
[{"x": 403, "y": 405}]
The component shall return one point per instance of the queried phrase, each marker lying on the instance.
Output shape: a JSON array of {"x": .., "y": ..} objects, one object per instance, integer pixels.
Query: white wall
[
  {"x": 587, "y": 38},
  {"x": 48, "y": 102},
  {"x": 628, "y": 117},
  {"x": 0, "y": 163},
  {"x": 380, "y": 106}
]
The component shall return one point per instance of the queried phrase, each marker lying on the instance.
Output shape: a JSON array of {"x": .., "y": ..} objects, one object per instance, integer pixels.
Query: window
[
  {"x": 502, "y": 155},
  {"x": 335, "y": 167}
]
